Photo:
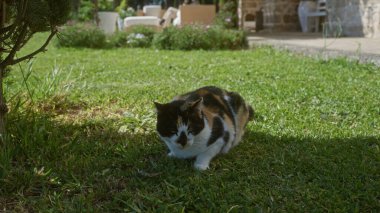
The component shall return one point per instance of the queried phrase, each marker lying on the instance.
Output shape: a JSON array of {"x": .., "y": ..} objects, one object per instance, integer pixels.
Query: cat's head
[{"x": 179, "y": 121}]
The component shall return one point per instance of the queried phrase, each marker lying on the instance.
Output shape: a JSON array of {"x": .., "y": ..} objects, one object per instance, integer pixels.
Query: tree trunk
[
  {"x": 3, "y": 105},
  {"x": 2, "y": 12},
  {"x": 75, "y": 5},
  {"x": 3, "y": 108},
  {"x": 96, "y": 8}
]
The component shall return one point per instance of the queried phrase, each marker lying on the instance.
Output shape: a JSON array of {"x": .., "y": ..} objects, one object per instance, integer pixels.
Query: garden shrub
[
  {"x": 163, "y": 40},
  {"x": 227, "y": 39},
  {"x": 185, "y": 38},
  {"x": 196, "y": 37},
  {"x": 118, "y": 39},
  {"x": 189, "y": 37},
  {"x": 137, "y": 36},
  {"x": 81, "y": 35}
]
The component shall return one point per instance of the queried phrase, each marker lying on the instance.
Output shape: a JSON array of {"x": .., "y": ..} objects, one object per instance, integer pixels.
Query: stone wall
[
  {"x": 354, "y": 17},
  {"x": 281, "y": 15},
  {"x": 345, "y": 17},
  {"x": 247, "y": 10}
]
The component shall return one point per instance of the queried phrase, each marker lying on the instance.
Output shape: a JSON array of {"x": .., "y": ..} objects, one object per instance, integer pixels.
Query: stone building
[
  {"x": 345, "y": 17},
  {"x": 355, "y": 17}
]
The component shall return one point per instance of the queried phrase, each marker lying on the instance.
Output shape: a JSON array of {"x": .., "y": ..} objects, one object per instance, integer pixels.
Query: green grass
[{"x": 82, "y": 133}]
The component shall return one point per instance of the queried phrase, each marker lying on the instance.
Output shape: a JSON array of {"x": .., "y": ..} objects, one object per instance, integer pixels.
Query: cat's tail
[{"x": 251, "y": 113}]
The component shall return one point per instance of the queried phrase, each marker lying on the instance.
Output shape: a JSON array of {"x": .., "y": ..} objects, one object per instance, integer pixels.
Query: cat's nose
[{"x": 182, "y": 139}]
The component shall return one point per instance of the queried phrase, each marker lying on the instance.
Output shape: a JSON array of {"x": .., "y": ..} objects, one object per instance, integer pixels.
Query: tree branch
[
  {"x": 28, "y": 36},
  {"x": 6, "y": 29},
  {"x": 7, "y": 32},
  {"x": 41, "y": 49},
  {"x": 8, "y": 60}
]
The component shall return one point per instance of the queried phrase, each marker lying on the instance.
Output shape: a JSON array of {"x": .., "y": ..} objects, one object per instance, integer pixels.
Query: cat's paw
[
  {"x": 171, "y": 155},
  {"x": 201, "y": 167},
  {"x": 225, "y": 150}
]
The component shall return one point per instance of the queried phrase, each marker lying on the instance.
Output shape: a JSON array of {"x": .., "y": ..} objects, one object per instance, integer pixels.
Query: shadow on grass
[
  {"x": 44, "y": 156},
  {"x": 50, "y": 164}
]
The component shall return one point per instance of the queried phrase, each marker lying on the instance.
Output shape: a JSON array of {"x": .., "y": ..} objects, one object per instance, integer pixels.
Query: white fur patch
[{"x": 196, "y": 144}]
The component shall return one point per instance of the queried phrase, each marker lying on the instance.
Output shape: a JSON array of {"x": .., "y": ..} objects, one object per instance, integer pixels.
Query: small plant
[
  {"x": 130, "y": 12},
  {"x": 124, "y": 11},
  {"x": 105, "y": 5},
  {"x": 227, "y": 16},
  {"x": 86, "y": 11},
  {"x": 147, "y": 31},
  {"x": 122, "y": 7},
  {"x": 81, "y": 35},
  {"x": 138, "y": 36}
]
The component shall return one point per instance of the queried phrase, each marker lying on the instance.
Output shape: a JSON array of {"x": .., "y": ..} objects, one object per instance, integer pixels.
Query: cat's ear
[
  {"x": 196, "y": 104},
  {"x": 192, "y": 105},
  {"x": 158, "y": 106}
]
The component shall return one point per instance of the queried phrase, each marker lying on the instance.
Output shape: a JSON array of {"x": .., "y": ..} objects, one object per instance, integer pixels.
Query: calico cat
[{"x": 203, "y": 123}]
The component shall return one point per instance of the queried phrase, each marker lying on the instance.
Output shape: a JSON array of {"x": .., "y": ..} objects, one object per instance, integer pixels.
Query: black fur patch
[
  {"x": 182, "y": 139},
  {"x": 236, "y": 101},
  {"x": 215, "y": 90},
  {"x": 216, "y": 132},
  {"x": 196, "y": 123},
  {"x": 168, "y": 114}
]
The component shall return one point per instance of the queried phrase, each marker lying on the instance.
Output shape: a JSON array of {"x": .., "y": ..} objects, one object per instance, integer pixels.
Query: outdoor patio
[
  {"x": 356, "y": 18},
  {"x": 315, "y": 45},
  {"x": 345, "y": 29}
]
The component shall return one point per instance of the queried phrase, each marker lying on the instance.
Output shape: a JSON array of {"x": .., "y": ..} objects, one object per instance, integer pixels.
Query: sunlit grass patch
[{"x": 82, "y": 134}]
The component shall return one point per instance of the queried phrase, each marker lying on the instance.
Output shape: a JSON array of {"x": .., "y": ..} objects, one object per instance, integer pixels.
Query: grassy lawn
[{"x": 83, "y": 133}]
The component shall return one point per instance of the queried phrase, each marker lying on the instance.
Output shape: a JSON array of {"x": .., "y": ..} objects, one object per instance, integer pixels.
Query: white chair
[
  {"x": 166, "y": 20},
  {"x": 152, "y": 10},
  {"x": 169, "y": 16},
  {"x": 152, "y": 17},
  {"x": 321, "y": 11}
]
